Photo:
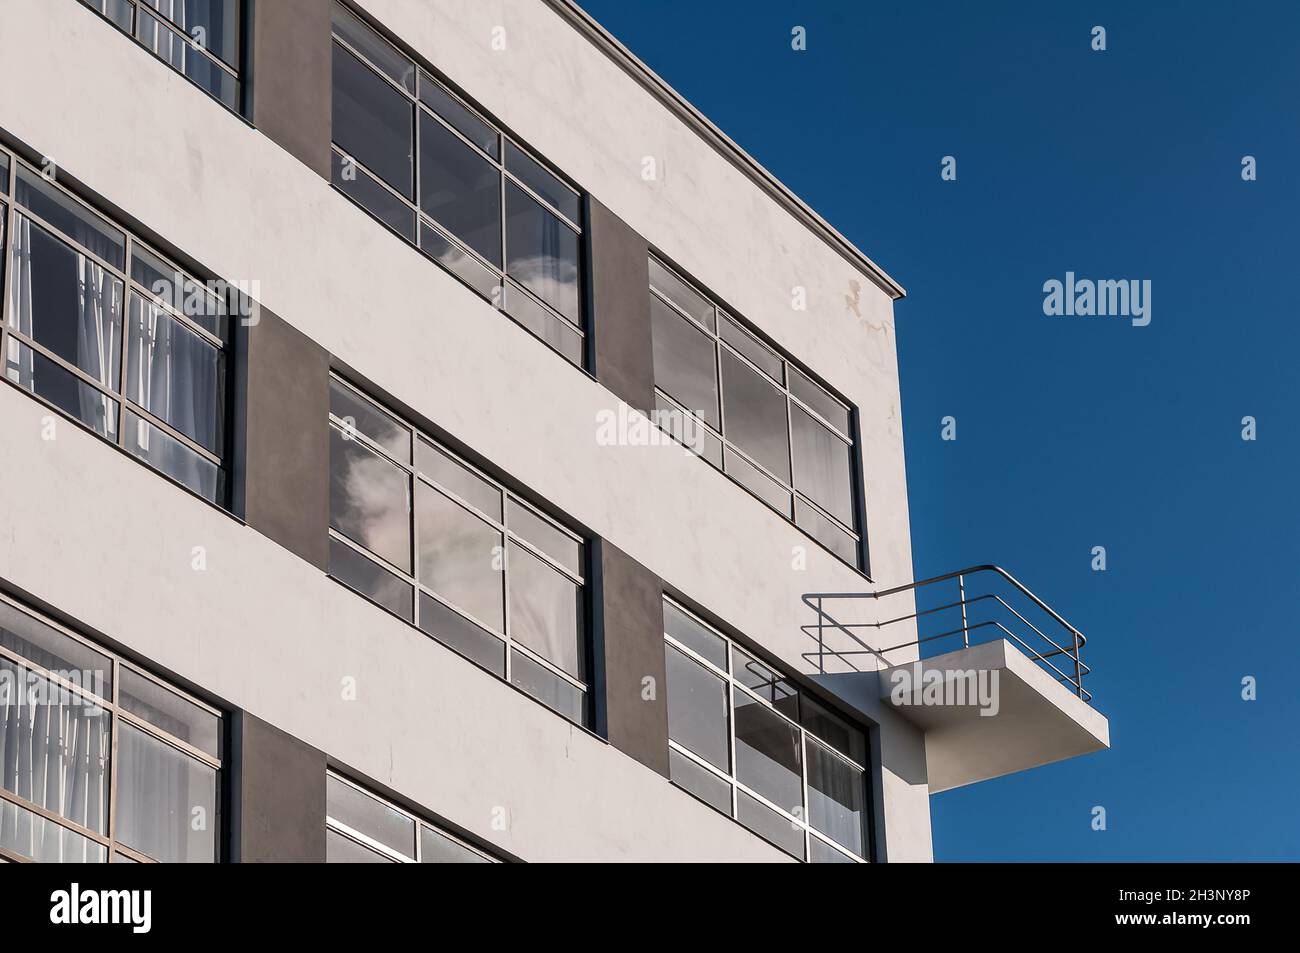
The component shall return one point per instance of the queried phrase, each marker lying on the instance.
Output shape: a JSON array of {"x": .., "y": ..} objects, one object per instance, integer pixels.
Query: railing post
[
  {"x": 1078, "y": 673},
  {"x": 821, "y": 642},
  {"x": 961, "y": 592}
]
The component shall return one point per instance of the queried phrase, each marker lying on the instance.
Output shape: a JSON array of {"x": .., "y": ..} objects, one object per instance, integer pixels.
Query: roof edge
[{"x": 677, "y": 104}]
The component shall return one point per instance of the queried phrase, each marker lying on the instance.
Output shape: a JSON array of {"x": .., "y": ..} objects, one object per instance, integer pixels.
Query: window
[
  {"x": 107, "y": 331},
  {"x": 100, "y": 761},
  {"x": 428, "y": 166},
  {"x": 200, "y": 39},
  {"x": 749, "y": 743},
  {"x": 361, "y": 828},
  {"x": 419, "y": 531},
  {"x": 753, "y": 414}
]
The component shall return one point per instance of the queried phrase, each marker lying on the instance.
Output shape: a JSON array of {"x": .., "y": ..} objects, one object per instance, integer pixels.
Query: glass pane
[
  {"x": 762, "y": 356},
  {"x": 460, "y": 557},
  {"x": 827, "y": 532},
  {"x": 458, "y": 478},
  {"x": 54, "y": 747},
  {"x": 778, "y": 830},
  {"x": 549, "y": 188},
  {"x": 344, "y": 850},
  {"x": 544, "y": 323},
  {"x": 697, "y": 708},
  {"x": 765, "y": 683},
  {"x": 185, "y": 295},
  {"x": 682, "y": 295},
  {"x": 371, "y": 580},
  {"x": 374, "y": 48},
  {"x": 366, "y": 191},
  {"x": 767, "y": 753},
  {"x": 168, "y": 711},
  {"x": 31, "y": 835},
  {"x": 41, "y": 376},
  {"x": 4, "y": 174},
  {"x": 835, "y": 797},
  {"x": 212, "y": 24},
  {"x": 370, "y": 816},
  {"x": 367, "y": 419},
  {"x": 833, "y": 730},
  {"x": 819, "y": 400},
  {"x": 544, "y": 535},
  {"x": 175, "y": 374},
  {"x": 123, "y": 859},
  {"x": 545, "y": 611},
  {"x": 701, "y": 782},
  {"x": 460, "y": 189},
  {"x": 118, "y": 11},
  {"x": 49, "y": 648},
  {"x": 758, "y": 482},
  {"x": 822, "y": 853},
  {"x": 438, "y": 848},
  {"x": 823, "y": 466},
  {"x": 542, "y": 253},
  {"x": 461, "y": 635},
  {"x": 462, "y": 119},
  {"x": 687, "y": 429},
  {"x": 71, "y": 218},
  {"x": 695, "y": 636},
  {"x": 180, "y": 53},
  {"x": 684, "y": 362},
  {"x": 373, "y": 122},
  {"x": 166, "y": 800},
  {"x": 370, "y": 500},
  {"x": 547, "y": 687},
  {"x": 460, "y": 263},
  {"x": 755, "y": 416},
  {"x": 165, "y": 453},
  {"x": 66, "y": 303}
]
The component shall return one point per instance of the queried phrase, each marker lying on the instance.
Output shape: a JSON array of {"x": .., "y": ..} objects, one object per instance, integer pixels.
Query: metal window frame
[
  {"x": 721, "y": 345},
  {"x": 729, "y": 776},
  {"x": 117, "y": 390},
  {"x": 118, "y": 716},
  {"x": 502, "y": 526}
]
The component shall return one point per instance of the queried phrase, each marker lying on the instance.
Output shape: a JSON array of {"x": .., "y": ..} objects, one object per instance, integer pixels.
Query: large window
[
  {"x": 751, "y": 744},
  {"x": 419, "y": 531},
  {"x": 100, "y": 761},
  {"x": 754, "y": 414},
  {"x": 200, "y": 39},
  {"x": 106, "y": 330},
  {"x": 447, "y": 180},
  {"x": 362, "y": 828}
]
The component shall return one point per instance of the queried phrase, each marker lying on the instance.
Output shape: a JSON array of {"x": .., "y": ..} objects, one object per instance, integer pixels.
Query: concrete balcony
[{"x": 991, "y": 674}]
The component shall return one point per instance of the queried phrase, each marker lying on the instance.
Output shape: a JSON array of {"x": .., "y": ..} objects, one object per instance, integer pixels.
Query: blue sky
[{"x": 1073, "y": 432}]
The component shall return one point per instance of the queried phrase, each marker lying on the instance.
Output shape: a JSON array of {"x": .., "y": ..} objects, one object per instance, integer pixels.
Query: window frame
[
  {"x": 716, "y": 337},
  {"x": 505, "y": 284},
  {"x": 119, "y": 715},
  {"x": 117, "y": 392},
  {"x": 729, "y": 777},
  {"x": 581, "y": 579}
]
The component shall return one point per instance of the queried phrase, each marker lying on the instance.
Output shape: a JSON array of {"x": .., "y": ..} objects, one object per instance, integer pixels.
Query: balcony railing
[{"x": 971, "y": 608}]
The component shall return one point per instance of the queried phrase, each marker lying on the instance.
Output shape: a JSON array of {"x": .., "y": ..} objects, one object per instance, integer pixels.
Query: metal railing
[{"x": 1003, "y": 621}]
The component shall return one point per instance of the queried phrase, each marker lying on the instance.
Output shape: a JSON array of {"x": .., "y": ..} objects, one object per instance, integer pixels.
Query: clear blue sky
[{"x": 1073, "y": 432}]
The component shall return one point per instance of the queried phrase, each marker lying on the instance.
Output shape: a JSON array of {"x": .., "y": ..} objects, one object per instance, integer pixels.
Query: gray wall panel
[
  {"x": 619, "y": 281},
  {"x": 277, "y": 795},
  {"x": 291, "y": 76}
]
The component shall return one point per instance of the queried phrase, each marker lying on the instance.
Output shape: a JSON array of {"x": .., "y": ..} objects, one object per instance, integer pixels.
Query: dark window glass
[
  {"x": 767, "y": 753},
  {"x": 550, "y": 189},
  {"x": 368, "y": 578},
  {"x": 166, "y": 800},
  {"x": 460, "y": 263},
  {"x": 820, "y": 853},
  {"x": 544, "y": 535},
  {"x": 38, "y": 374},
  {"x": 835, "y": 797},
  {"x": 164, "y": 709},
  {"x": 375, "y": 48},
  {"x": 52, "y": 650},
  {"x": 164, "y": 452},
  {"x": 545, "y": 611},
  {"x": 344, "y": 850},
  {"x": 461, "y": 118},
  {"x": 701, "y": 782},
  {"x": 684, "y": 362},
  {"x": 460, "y": 189},
  {"x": 755, "y": 416},
  {"x": 69, "y": 217},
  {"x": 695, "y": 636},
  {"x": 682, "y": 295},
  {"x": 370, "y": 500},
  {"x": 765, "y": 683},
  {"x": 816, "y": 398},
  {"x": 459, "y": 479},
  {"x": 177, "y": 50},
  {"x": 367, "y": 419},
  {"x": 460, "y": 556},
  {"x": 118, "y": 11},
  {"x": 544, "y": 323},
  {"x": 461, "y": 635},
  {"x": 366, "y": 191},
  {"x": 4, "y": 175},
  {"x": 769, "y": 825},
  {"x": 827, "y": 532},
  {"x": 547, "y": 687},
  {"x": 369, "y": 816},
  {"x": 757, "y": 482},
  {"x": 66, "y": 302},
  {"x": 373, "y": 122},
  {"x": 752, "y": 348},
  {"x": 542, "y": 252},
  {"x": 697, "y": 708},
  {"x": 822, "y": 466},
  {"x": 185, "y": 295},
  {"x": 833, "y": 730},
  {"x": 438, "y": 848},
  {"x": 212, "y": 24},
  {"x": 175, "y": 374}
]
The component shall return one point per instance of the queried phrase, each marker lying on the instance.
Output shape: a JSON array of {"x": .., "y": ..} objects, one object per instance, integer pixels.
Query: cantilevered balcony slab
[{"x": 989, "y": 710}]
